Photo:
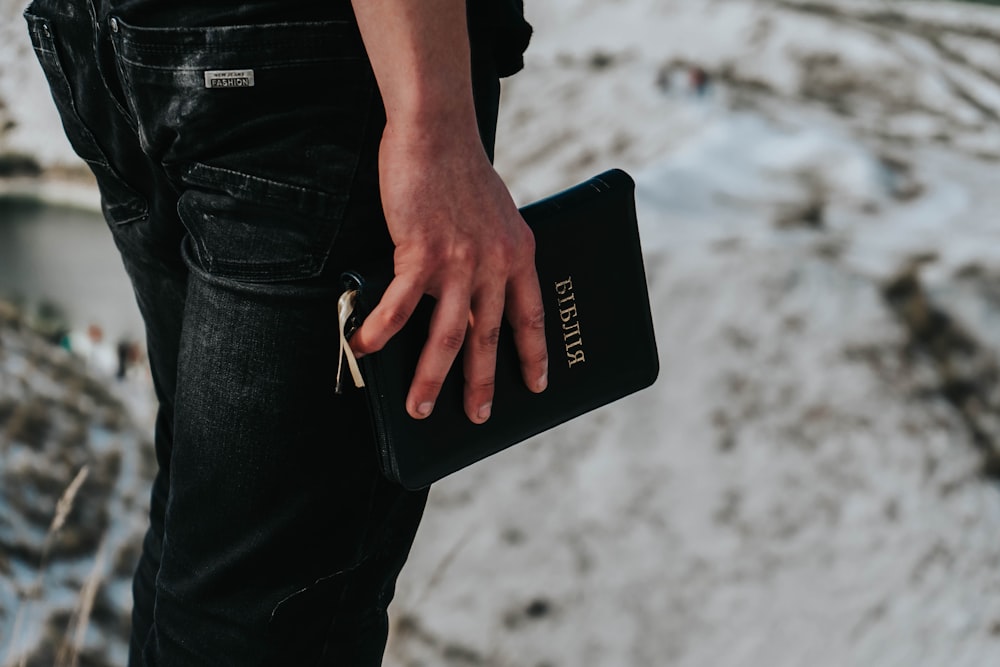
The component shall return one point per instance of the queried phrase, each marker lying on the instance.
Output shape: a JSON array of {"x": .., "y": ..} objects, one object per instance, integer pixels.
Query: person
[{"x": 247, "y": 153}]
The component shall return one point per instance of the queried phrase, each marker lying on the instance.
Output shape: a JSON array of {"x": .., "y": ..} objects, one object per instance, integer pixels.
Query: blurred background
[{"x": 812, "y": 481}]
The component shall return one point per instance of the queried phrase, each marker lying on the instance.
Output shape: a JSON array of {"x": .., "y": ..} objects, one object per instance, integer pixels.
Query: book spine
[{"x": 579, "y": 195}]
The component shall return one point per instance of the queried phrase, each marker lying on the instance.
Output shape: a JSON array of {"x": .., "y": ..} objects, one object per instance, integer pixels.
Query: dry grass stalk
[
  {"x": 65, "y": 504},
  {"x": 25, "y": 595},
  {"x": 16, "y": 633},
  {"x": 69, "y": 654}
]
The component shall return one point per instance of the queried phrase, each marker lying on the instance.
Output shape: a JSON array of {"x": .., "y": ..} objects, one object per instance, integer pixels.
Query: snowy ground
[
  {"x": 799, "y": 488},
  {"x": 809, "y": 482}
]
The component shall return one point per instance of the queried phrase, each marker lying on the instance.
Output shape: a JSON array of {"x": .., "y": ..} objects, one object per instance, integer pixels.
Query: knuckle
[
  {"x": 483, "y": 384},
  {"x": 526, "y": 243},
  {"x": 463, "y": 253},
  {"x": 427, "y": 387},
  {"x": 506, "y": 247},
  {"x": 489, "y": 339},
  {"x": 396, "y": 318},
  {"x": 533, "y": 320},
  {"x": 452, "y": 340}
]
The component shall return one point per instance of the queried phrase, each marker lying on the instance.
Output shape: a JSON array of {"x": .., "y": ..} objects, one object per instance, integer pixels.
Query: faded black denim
[{"x": 273, "y": 538}]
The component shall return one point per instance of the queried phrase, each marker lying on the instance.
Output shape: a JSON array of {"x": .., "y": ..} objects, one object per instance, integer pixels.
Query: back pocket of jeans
[
  {"x": 274, "y": 114},
  {"x": 239, "y": 239}
]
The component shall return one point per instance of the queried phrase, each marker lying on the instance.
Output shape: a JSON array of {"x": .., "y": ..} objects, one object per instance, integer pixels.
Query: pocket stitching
[
  {"x": 325, "y": 204},
  {"x": 306, "y": 265}
]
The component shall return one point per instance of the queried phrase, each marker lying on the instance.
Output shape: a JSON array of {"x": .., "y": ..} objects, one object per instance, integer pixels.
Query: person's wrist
[{"x": 438, "y": 123}]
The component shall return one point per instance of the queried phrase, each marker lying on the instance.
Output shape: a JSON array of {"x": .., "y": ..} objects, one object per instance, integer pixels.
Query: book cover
[{"x": 598, "y": 328}]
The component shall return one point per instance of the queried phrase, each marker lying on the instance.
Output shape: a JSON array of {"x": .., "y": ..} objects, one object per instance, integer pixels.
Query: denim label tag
[{"x": 237, "y": 78}]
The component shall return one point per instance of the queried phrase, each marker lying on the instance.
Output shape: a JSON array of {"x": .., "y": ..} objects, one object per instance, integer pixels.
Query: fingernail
[
  {"x": 484, "y": 411},
  {"x": 543, "y": 382},
  {"x": 425, "y": 408}
]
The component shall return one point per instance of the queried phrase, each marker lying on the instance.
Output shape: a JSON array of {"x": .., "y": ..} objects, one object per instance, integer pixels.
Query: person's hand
[
  {"x": 457, "y": 233},
  {"x": 460, "y": 238}
]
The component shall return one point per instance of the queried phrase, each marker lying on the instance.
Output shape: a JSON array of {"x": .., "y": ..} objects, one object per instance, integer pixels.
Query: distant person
[
  {"x": 89, "y": 345},
  {"x": 95, "y": 334},
  {"x": 123, "y": 350},
  {"x": 699, "y": 79},
  {"x": 247, "y": 154}
]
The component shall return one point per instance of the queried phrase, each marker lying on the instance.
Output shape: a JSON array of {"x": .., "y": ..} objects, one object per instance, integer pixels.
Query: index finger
[{"x": 388, "y": 317}]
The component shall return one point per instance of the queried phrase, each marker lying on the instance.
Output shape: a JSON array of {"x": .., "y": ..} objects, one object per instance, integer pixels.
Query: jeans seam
[
  {"x": 312, "y": 26},
  {"x": 190, "y": 173},
  {"x": 307, "y": 201},
  {"x": 98, "y": 37},
  {"x": 283, "y": 63},
  {"x": 46, "y": 44},
  {"x": 371, "y": 556}
]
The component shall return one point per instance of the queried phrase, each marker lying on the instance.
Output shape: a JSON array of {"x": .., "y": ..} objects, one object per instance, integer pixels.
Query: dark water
[{"x": 65, "y": 257}]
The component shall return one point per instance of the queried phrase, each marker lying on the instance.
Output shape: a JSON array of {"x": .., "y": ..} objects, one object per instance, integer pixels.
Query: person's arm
[{"x": 457, "y": 232}]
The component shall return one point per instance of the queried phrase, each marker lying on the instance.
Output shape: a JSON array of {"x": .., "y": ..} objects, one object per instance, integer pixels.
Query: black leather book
[{"x": 597, "y": 324}]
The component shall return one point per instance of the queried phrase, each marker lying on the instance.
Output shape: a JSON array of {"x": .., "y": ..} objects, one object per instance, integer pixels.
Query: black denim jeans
[{"x": 273, "y": 538}]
